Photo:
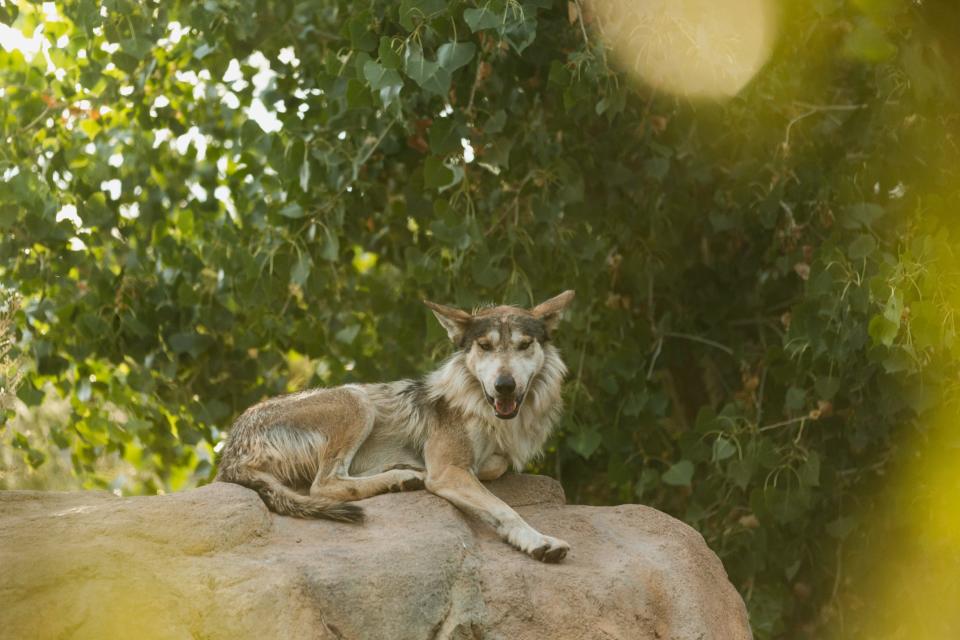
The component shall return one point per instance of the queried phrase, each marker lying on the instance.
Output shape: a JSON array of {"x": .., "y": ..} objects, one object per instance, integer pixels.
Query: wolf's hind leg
[
  {"x": 333, "y": 480},
  {"x": 344, "y": 487}
]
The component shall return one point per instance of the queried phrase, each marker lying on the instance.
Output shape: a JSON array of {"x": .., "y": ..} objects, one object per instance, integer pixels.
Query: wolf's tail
[{"x": 281, "y": 499}]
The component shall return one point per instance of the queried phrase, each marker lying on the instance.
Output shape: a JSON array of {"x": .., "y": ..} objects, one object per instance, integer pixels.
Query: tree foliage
[{"x": 207, "y": 203}]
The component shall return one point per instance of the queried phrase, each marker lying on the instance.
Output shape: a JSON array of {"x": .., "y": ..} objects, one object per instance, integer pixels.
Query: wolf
[{"x": 489, "y": 406}]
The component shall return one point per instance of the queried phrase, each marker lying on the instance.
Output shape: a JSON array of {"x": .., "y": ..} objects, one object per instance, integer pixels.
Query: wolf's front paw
[
  {"x": 552, "y": 550},
  {"x": 405, "y": 480},
  {"x": 537, "y": 545}
]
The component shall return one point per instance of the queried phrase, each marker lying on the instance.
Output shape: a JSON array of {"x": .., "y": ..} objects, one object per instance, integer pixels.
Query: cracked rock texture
[{"x": 213, "y": 563}]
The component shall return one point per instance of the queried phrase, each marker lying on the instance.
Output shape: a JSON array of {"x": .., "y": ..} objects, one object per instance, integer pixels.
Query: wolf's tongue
[{"x": 505, "y": 407}]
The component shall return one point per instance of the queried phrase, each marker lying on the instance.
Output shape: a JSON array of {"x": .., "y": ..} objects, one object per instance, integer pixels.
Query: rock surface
[{"x": 213, "y": 563}]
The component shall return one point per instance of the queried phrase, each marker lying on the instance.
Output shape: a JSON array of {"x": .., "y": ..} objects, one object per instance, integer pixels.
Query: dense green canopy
[{"x": 207, "y": 203}]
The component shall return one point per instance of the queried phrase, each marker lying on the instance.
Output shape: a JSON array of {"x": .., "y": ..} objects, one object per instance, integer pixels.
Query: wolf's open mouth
[{"x": 506, "y": 408}]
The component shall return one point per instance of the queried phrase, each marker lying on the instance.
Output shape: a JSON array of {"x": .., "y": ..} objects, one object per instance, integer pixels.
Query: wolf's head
[{"x": 503, "y": 346}]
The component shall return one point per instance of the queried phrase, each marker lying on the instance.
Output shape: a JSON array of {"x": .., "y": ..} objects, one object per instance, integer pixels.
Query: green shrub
[{"x": 767, "y": 285}]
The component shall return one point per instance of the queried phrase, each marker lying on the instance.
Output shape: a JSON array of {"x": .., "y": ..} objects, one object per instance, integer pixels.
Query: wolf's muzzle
[{"x": 506, "y": 408}]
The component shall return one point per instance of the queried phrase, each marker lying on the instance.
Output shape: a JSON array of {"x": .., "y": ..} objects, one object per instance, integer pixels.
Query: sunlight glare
[{"x": 695, "y": 48}]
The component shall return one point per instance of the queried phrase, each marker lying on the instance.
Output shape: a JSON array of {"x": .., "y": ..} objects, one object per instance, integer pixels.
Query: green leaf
[
  {"x": 521, "y": 33},
  {"x": 413, "y": 12},
  {"x": 656, "y": 168},
  {"x": 559, "y": 74},
  {"x": 361, "y": 38},
  {"x": 809, "y": 471},
  {"x": 680, "y": 474},
  {"x": 898, "y": 360},
  {"x": 383, "y": 80},
  {"x": 358, "y": 94},
  {"x": 925, "y": 323},
  {"x": 445, "y": 136},
  {"x": 741, "y": 471},
  {"x": 723, "y": 449},
  {"x": 786, "y": 505},
  {"x": 430, "y": 75},
  {"x": 330, "y": 250},
  {"x": 497, "y": 154},
  {"x": 488, "y": 275},
  {"x": 9, "y": 13},
  {"x": 796, "y": 399},
  {"x": 635, "y": 403},
  {"x": 706, "y": 419},
  {"x": 436, "y": 174},
  {"x": 34, "y": 457},
  {"x": 92, "y": 325},
  {"x": 869, "y": 43},
  {"x": 348, "y": 334},
  {"x": 435, "y": 77},
  {"x": 893, "y": 309},
  {"x": 389, "y": 57},
  {"x": 882, "y": 330},
  {"x": 454, "y": 234},
  {"x": 861, "y": 247},
  {"x": 862, "y": 214},
  {"x": 201, "y": 52},
  {"x": 480, "y": 19},
  {"x": 495, "y": 122},
  {"x": 827, "y": 387},
  {"x": 301, "y": 269},
  {"x": 140, "y": 48},
  {"x": 188, "y": 342},
  {"x": 88, "y": 14},
  {"x": 453, "y": 55},
  {"x": 585, "y": 442},
  {"x": 8, "y": 216},
  {"x": 841, "y": 527},
  {"x": 125, "y": 62},
  {"x": 90, "y": 127},
  {"x": 292, "y": 210},
  {"x": 649, "y": 479},
  {"x": 379, "y": 76}
]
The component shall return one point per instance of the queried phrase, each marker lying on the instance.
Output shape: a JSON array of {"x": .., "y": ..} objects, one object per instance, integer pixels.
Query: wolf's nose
[{"x": 505, "y": 384}]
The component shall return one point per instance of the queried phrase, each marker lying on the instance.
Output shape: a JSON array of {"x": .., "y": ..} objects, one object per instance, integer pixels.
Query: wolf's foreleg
[{"x": 458, "y": 484}]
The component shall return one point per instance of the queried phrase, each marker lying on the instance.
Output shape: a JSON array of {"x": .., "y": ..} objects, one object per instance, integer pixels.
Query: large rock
[{"x": 214, "y": 563}]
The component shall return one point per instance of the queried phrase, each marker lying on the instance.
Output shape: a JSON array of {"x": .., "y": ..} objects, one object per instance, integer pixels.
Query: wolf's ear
[
  {"x": 453, "y": 320},
  {"x": 550, "y": 310}
]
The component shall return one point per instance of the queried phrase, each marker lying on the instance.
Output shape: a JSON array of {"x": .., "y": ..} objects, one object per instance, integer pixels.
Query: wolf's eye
[
  {"x": 523, "y": 346},
  {"x": 486, "y": 346}
]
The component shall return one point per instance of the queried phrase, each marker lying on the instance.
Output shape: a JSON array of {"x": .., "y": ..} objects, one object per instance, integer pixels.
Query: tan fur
[{"x": 310, "y": 453}]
